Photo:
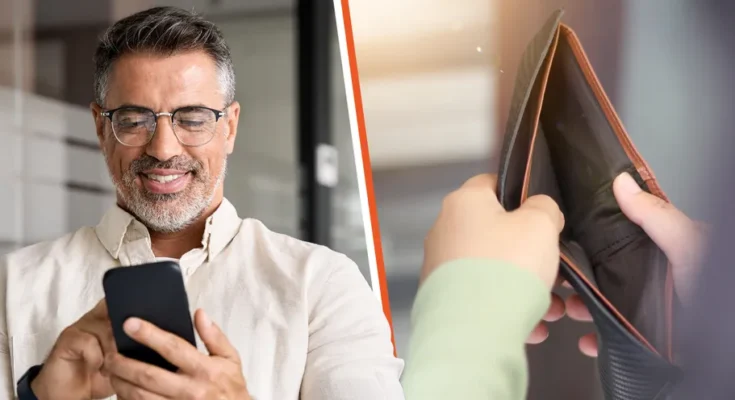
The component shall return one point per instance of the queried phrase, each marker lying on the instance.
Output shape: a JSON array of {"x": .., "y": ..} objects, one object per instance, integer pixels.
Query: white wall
[{"x": 36, "y": 164}]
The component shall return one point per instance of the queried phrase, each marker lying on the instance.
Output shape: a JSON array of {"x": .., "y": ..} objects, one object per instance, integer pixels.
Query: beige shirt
[{"x": 302, "y": 317}]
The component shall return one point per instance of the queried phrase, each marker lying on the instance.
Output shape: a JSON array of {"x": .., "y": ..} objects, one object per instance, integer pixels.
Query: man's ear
[
  {"x": 99, "y": 122},
  {"x": 233, "y": 117}
]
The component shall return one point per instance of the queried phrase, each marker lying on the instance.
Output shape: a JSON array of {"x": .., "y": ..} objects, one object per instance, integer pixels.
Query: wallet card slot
[
  {"x": 542, "y": 179},
  {"x": 543, "y": 82},
  {"x": 578, "y": 260},
  {"x": 514, "y": 174}
]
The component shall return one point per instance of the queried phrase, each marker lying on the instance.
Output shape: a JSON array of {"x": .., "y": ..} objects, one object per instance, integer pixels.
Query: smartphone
[{"x": 152, "y": 292}]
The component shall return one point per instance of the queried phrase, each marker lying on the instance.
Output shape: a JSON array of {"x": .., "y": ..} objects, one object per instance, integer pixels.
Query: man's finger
[
  {"x": 576, "y": 309},
  {"x": 556, "y": 309},
  {"x": 102, "y": 330},
  {"x": 146, "y": 376},
  {"x": 588, "y": 345},
  {"x": 104, "y": 340},
  {"x": 668, "y": 227},
  {"x": 539, "y": 334},
  {"x": 82, "y": 345},
  {"x": 176, "y": 350},
  {"x": 548, "y": 207},
  {"x": 214, "y": 339},
  {"x": 97, "y": 323},
  {"x": 482, "y": 181},
  {"x": 126, "y": 390}
]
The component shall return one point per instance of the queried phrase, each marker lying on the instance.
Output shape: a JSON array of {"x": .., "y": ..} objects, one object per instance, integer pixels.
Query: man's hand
[
  {"x": 680, "y": 238},
  {"x": 217, "y": 376},
  {"x": 73, "y": 369},
  {"x": 473, "y": 224}
]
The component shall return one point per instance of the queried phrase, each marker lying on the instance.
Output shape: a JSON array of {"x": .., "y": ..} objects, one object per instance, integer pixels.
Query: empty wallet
[{"x": 564, "y": 139}]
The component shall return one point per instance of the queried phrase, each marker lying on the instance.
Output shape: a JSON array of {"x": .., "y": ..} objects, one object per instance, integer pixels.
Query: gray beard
[{"x": 169, "y": 213}]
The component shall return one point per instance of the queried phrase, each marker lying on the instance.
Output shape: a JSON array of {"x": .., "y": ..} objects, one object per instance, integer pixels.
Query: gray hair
[{"x": 165, "y": 31}]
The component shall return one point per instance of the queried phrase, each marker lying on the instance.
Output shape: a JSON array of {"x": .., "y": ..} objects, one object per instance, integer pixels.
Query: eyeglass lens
[{"x": 192, "y": 125}]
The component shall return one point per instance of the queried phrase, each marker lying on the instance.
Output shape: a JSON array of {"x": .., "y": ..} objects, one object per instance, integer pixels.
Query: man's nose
[{"x": 164, "y": 144}]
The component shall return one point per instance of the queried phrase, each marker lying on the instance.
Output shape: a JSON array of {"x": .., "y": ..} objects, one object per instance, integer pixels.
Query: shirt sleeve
[
  {"x": 350, "y": 355},
  {"x": 470, "y": 322}
]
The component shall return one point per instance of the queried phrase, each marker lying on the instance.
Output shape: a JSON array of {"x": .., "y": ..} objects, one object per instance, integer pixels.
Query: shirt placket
[{"x": 191, "y": 261}]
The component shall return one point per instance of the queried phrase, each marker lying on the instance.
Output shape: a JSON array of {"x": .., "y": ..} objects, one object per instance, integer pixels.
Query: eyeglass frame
[{"x": 109, "y": 113}]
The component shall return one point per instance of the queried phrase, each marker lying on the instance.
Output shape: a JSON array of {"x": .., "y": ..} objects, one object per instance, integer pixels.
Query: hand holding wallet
[{"x": 565, "y": 140}]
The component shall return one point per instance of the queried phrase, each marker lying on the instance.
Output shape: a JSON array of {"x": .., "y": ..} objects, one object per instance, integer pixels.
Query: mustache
[{"x": 181, "y": 163}]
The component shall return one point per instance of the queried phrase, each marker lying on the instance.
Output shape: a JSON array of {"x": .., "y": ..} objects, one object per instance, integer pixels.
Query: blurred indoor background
[
  {"x": 52, "y": 175},
  {"x": 436, "y": 79}
]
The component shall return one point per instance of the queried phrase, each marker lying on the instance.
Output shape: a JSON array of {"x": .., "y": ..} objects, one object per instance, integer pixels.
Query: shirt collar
[{"x": 118, "y": 227}]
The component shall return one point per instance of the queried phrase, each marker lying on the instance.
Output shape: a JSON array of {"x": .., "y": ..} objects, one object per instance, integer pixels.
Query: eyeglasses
[{"x": 135, "y": 126}]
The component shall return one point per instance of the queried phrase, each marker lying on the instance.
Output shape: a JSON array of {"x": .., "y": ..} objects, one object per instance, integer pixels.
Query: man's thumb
[{"x": 668, "y": 227}]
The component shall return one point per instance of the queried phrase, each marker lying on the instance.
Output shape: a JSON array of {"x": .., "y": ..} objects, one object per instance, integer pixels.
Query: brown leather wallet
[{"x": 565, "y": 140}]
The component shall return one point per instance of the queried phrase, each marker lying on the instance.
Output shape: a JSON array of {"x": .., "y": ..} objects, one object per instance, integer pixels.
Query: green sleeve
[{"x": 470, "y": 321}]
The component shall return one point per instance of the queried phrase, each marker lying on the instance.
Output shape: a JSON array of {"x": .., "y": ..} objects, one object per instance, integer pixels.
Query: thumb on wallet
[{"x": 678, "y": 236}]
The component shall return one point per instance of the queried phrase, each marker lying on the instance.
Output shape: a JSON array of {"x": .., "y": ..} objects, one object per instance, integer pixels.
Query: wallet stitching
[{"x": 616, "y": 245}]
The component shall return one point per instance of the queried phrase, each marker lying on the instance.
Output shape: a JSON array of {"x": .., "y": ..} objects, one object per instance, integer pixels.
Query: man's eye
[
  {"x": 191, "y": 123},
  {"x": 132, "y": 123}
]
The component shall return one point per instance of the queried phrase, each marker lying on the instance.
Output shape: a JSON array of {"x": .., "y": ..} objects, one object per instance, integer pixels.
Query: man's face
[{"x": 165, "y": 184}]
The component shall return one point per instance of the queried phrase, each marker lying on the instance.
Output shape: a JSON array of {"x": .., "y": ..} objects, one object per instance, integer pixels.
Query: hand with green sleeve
[{"x": 484, "y": 288}]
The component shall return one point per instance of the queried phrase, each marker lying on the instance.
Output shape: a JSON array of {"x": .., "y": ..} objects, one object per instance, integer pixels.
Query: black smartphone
[{"x": 152, "y": 292}]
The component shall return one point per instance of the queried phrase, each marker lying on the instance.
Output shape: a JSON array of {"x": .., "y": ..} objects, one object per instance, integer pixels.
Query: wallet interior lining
[
  {"x": 642, "y": 167},
  {"x": 574, "y": 143}
]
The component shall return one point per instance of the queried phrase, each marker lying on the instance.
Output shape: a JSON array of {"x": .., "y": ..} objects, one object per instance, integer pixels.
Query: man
[
  {"x": 486, "y": 283},
  {"x": 279, "y": 318}
]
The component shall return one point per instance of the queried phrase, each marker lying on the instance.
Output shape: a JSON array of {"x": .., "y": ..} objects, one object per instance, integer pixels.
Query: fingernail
[
  {"x": 627, "y": 184},
  {"x": 132, "y": 325}
]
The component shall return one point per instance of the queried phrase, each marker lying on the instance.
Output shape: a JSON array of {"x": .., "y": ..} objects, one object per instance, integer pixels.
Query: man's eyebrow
[
  {"x": 131, "y": 105},
  {"x": 192, "y": 106}
]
